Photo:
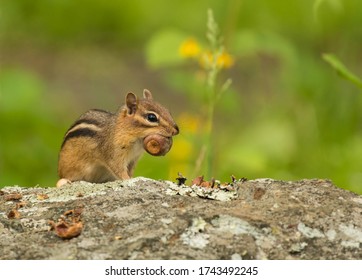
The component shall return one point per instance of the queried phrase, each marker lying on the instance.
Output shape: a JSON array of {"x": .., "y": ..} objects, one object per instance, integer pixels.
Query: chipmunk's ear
[
  {"x": 147, "y": 94},
  {"x": 131, "y": 103}
]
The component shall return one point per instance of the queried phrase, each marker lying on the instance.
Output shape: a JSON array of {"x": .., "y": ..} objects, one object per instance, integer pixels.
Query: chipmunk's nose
[{"x": 176, "y": 130}]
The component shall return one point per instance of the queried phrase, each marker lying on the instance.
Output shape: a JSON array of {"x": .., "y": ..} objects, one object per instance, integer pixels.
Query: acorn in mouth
[{"x": 157, "y": 145}]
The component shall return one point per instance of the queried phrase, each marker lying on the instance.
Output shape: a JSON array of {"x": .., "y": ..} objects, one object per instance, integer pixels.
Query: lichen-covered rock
[{"x": 146, "y": 219}]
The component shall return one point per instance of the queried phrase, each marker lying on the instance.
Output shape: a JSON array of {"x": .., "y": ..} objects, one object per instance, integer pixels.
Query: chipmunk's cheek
[{"x": 157, "y": 145}]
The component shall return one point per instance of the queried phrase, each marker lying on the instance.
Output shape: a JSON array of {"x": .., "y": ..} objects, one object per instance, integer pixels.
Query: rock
[{"x": 142, "y": 218}]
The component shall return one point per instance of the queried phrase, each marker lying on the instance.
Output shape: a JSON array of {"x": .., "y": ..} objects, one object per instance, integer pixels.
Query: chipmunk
[{"x": 102, "y": 146}]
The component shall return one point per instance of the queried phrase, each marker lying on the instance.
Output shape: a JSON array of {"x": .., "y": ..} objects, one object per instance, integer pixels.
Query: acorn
[{"x": 157, "y": 145}]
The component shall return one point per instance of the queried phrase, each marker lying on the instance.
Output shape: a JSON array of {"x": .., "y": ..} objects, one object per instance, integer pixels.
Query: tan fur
[{"x": 103, "y": 147}]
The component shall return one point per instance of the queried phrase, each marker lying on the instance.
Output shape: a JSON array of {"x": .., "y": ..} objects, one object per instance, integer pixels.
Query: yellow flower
[
  {"x": 223, "y": 60},
  {"x": 190, "y": 48}
]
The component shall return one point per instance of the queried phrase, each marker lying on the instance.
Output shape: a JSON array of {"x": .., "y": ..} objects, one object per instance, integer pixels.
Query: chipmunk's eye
[{"x": 151, "y": 117}]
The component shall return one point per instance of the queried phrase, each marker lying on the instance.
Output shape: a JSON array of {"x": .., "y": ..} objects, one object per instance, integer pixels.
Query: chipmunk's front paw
[{"x": 62, "y": 182}]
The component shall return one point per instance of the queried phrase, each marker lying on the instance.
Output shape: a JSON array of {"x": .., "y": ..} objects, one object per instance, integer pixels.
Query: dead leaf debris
[
  {"x": 13, "y": 196},
  {"x": 212, "y": 189},
  {"x": 69, "y": 225}
]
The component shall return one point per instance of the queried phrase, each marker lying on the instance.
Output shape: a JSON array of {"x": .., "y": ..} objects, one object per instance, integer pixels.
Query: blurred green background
[{"x": 287, "y": 115}]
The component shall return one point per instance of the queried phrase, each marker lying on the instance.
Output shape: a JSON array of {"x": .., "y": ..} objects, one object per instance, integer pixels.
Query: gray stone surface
[{"x": 146, "y": 219}]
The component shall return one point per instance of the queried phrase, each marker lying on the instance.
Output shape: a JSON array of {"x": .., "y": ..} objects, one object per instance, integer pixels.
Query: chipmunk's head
[{"x": 151, "y": 122}]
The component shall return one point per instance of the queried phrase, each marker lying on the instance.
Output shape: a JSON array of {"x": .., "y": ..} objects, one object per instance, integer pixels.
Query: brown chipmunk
[{"x": 102, "y": 146}]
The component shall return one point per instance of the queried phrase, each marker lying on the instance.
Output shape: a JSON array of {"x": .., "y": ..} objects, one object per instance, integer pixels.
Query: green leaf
[
  {"x": 250, "y": 43},
  {"x": 20, "y": 91},
  {"x": 163, "y": 48},
  {"x": 342, "y": 69}
]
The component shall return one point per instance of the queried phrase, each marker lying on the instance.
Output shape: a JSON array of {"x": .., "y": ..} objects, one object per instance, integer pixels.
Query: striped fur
[{"x": 101, "y": 146}]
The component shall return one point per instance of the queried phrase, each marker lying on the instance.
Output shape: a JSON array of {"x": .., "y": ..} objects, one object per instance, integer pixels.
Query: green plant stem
[
  {"x": 342, "y": 70},
  {"x": 213, "y": 93},
  {"x": 209, "y": 140}
]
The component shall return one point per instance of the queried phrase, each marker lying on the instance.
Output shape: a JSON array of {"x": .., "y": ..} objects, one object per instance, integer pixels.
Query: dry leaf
[
  {"x": 67, "y": 230},
  {"x": 42, "y": 196},
  {"x": 205, "y": 184},
  {"x": 19, "y": 205},
  {"x": 13, "y": 196},
  {"x": 69, "y": 225},
  {"x": 198, "y": 181},
  {"x": 14, "y": 214}
]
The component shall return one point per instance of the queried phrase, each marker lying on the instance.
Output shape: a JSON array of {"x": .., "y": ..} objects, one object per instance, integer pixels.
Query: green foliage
[
  {"x": 342, "y": 69},
  {"x": 169, "y": 55},
  {"x": 286, "y": 114},
  {"x": 300, "y": 127},
  {"x": 29, "y": 131}
]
